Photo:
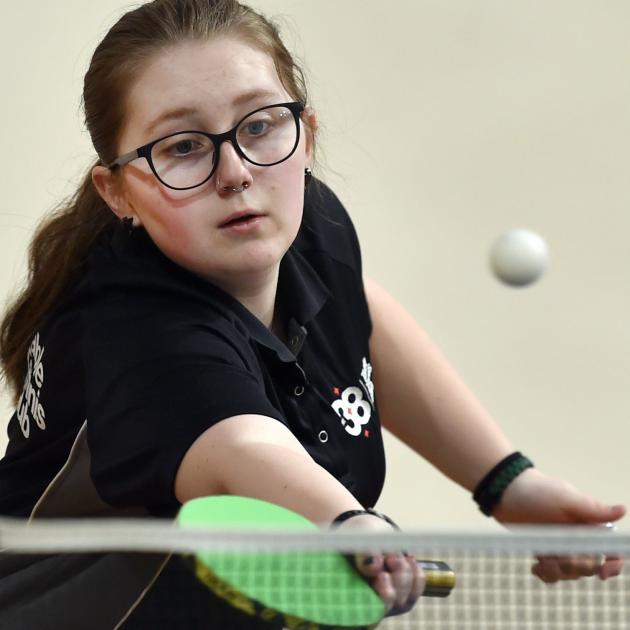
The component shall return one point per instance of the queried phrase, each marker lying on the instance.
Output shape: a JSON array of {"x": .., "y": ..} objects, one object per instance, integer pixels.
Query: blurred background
[{"x": 443, "y": 124}]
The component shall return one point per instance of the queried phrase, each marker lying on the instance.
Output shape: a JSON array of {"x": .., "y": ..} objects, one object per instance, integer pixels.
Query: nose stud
[
  {"x": 234, "y": 189},
  {"x": 240, "y": 189}
]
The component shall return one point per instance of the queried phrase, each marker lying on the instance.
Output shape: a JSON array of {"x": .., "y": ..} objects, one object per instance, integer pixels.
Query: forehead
[{"x": 209, "y": 78}]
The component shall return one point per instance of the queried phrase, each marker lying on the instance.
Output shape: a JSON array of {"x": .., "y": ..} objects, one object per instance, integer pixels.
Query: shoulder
[
  {"x": 327, "y": 227},
  {"x": 128, "y": 276},
  {"x": 136, "y": 305},
  {"x": 131, "y": 266}
]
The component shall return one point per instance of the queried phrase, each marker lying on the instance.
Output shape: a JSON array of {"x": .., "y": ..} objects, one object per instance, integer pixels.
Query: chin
[{"x": 261, "y": 262}]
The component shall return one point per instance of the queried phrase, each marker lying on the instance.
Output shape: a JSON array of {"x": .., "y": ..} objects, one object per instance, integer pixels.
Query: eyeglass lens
[{"x": 265, "y": 137}]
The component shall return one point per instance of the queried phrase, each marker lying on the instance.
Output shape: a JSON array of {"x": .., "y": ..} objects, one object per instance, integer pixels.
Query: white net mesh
[
  {"x": 494, "y": 588},
  {"x": 498, "y": 592}
]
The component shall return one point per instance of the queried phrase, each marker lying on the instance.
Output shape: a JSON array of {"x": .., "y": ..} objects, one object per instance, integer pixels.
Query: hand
[
  {"x": 396, "y": 577},
  {"x": 552, "y": 569},
  {"x": 535, "y": 498}
]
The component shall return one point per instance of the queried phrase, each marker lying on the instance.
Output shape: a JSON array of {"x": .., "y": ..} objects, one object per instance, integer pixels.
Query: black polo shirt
[{"x": 151, "y": 356}]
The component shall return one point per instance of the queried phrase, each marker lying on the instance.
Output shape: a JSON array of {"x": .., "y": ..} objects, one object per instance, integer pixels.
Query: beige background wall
[{"x": 443, "y": 124}]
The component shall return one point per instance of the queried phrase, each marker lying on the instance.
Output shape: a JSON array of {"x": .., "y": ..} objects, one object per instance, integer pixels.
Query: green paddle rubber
[
  {"x": 320, "y": 587},
  {"x": 305, "y": 590}
]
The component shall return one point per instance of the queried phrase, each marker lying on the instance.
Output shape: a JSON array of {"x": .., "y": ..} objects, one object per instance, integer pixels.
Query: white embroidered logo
[
  {"x": 366, "y": 379},
  {"x": 29, "y": 408},
  {"x": 353, "y": 410}
]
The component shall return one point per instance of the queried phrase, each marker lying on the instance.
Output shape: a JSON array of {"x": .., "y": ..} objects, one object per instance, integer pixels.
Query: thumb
[{"x": 594, "y": 512}]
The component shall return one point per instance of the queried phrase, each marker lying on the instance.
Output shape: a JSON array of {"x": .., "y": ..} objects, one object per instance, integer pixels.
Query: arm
[
  {"x": 259, "y": 457},
  {"x": 423, "y": 401},
  {"x": 425, "y": 404}
]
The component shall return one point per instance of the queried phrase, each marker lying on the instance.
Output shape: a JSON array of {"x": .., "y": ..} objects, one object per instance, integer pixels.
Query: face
[{"x": 232, "y": 239}]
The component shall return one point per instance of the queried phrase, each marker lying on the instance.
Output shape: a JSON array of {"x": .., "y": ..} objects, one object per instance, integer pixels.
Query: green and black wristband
[{"x": 491, "y": 488}]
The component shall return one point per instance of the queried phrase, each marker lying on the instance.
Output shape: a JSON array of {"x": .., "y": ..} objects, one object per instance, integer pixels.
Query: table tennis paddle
[{"x": 306, "y": 590}]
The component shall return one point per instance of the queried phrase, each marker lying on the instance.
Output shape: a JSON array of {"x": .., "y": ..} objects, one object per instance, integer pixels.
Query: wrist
[
  {"x": 491, "y": 488},
  {"x": 369, "y": 518}
]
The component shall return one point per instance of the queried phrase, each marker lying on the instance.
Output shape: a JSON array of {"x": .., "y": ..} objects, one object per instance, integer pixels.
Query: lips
[{"x": 240, "y": 218}]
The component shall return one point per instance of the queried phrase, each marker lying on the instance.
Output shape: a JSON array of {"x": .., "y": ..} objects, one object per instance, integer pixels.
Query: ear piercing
[{"x": 127, "y": 223}]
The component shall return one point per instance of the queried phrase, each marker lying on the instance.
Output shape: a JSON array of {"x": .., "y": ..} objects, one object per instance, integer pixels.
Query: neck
[{"x": 257, "y": 295}]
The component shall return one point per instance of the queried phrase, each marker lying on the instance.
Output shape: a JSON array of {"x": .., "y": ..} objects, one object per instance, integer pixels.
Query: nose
[{"x": 232, "y": 174}]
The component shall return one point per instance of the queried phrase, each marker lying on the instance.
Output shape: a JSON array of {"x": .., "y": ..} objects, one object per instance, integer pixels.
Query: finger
[
  {"x": 416, "y": 588},
  {"x": 556, "y": 568},
  {"x": 547, "y": 569},
  {"x": 419, "y": 579},
  {"x": 384, "y": 588},
  {"x": 594, "y": 512},
  {"x": 612, "y": 566},
  {"x": 573, "y": 567},
  {"x": 402, "y": 578},
  {"x": 368, "y": 565},
  {"x": 615, "y": 513},
  {"x": 395, "y": 562}
]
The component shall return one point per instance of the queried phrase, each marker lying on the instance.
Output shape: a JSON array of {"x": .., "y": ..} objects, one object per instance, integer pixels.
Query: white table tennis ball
[{"x": 519, "y": 257}]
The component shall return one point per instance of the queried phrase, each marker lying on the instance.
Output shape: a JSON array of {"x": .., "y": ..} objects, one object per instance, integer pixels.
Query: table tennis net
[
  {"x": 494, "y": 588},
  {"x": 498, "y": 592}
]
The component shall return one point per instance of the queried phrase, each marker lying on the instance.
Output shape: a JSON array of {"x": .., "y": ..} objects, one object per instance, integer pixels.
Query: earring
[
  {"x": 127, "y": 223},
  {"x": 308, "y": 176}
]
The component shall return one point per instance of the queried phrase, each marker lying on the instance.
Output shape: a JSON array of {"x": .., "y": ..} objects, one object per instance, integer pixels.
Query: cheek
[
  {"x": 157, "y": 206},
  {"x": 288, "y": 192},
  {"x": 169, "y": 226}
]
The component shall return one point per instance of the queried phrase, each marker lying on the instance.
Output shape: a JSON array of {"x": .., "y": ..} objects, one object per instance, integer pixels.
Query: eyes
[
  {"x": 185, "y": 147},
  {"x": 265, "y": 137},
  {"x": 190, "y": 144}
]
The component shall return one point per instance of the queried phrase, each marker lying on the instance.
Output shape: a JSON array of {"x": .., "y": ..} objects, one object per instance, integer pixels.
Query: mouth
[{"x": 239, "y": 219}]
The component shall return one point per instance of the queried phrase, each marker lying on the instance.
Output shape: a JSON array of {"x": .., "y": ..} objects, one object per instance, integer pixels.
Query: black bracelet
[
  {"x": 490, "y": 489},
  {"x": 344, "y": 516}
]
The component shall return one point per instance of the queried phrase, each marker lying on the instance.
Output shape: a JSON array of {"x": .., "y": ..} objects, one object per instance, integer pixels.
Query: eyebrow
[
  {"x": 183, "y": 112},
  {"x": 173, "y": 114}
]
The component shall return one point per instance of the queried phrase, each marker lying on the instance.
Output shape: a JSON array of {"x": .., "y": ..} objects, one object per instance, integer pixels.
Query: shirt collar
[
  {"x": 301, "y": 292},
  {"x": 303, "y": 295}
]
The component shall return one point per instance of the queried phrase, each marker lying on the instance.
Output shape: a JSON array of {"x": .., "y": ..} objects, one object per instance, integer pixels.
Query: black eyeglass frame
[{"x": 217, "y": 139}]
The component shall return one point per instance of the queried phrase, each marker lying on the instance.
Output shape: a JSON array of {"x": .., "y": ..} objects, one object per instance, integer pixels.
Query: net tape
[{"x": 144, "y": 535}]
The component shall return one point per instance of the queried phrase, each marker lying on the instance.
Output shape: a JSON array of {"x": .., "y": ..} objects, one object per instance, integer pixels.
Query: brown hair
[{"x": 63, "y": 239}]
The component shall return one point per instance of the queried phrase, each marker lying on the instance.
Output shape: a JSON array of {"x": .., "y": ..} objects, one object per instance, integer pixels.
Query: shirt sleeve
[{"x": 156, "y": 379}]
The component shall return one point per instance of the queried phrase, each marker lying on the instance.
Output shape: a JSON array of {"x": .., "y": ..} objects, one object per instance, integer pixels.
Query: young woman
[{"x": 196, "y": 323}]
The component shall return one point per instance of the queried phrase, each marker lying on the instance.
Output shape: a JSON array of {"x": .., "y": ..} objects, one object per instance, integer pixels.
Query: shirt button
[
  {"x": 295, "y": 340},
  {"x": 323, "y": 437},
  {"x": 299, "y": 390}
]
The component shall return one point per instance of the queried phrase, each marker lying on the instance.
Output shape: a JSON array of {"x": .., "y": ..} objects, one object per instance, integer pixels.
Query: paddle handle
[{"x": 440, "y": 578}]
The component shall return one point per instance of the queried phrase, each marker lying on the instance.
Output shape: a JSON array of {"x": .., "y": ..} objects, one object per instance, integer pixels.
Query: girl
[{"x": 197, "y": 323}]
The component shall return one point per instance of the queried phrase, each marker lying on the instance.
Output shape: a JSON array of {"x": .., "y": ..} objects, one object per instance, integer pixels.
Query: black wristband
[
  {"x": 344, "y": 516},
  {"x": 490, "y": 489}
]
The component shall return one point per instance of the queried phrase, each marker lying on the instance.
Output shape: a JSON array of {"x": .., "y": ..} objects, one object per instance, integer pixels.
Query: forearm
[
  {"x": 258, "y": 457},
  {"x": 274, "y": 474},
  {"x": 423, "y": 401}
]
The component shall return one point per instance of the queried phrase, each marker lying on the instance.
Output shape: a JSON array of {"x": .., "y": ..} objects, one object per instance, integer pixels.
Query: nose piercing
[
  {"x": 235, "y": 189},
  {"x": 240, "y": 189}
]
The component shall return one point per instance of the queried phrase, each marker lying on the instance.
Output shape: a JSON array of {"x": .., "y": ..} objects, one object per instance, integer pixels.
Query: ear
[
  {"x": 109, "y": 187},
  {"x": 309, "y": 118}
]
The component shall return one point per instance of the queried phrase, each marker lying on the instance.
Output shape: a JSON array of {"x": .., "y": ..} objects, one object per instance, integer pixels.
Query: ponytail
[{"x": 56, "y": 255}]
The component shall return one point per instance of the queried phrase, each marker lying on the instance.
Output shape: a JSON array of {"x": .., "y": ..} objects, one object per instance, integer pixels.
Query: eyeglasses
[{"x": 187, "y": 159}]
